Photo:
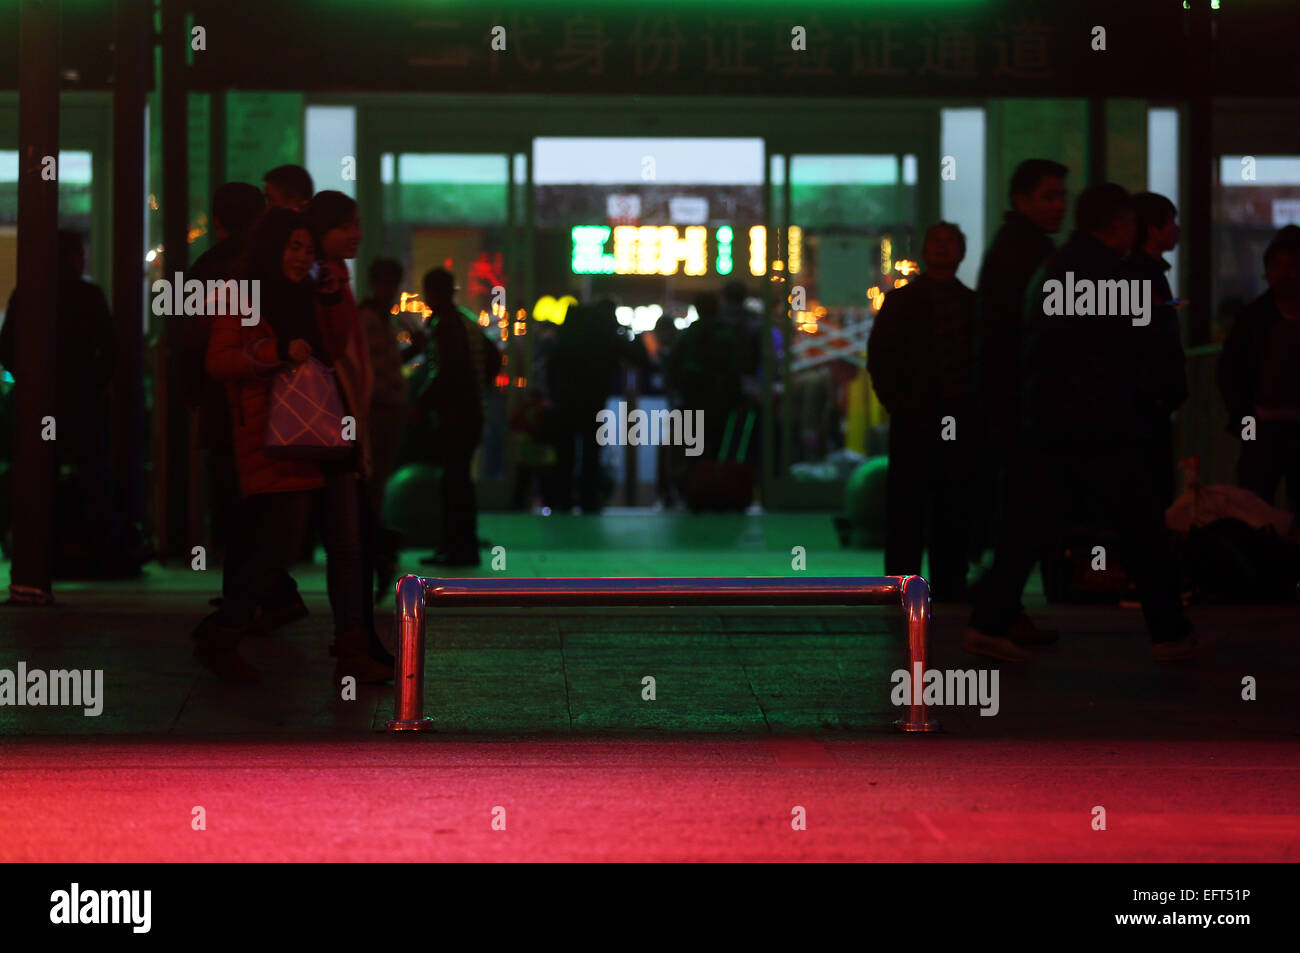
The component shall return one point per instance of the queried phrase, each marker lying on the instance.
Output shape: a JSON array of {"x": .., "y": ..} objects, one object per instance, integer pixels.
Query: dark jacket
[
  {"x": 1093, "y": 383},
  {"x": 1018, "y": 250},
  {"x": 1170, "y": 374},
  {"x": 921, "y": 352},
  {"x": 462, "y": 365},
  {"x": 1242, "y": 355}
]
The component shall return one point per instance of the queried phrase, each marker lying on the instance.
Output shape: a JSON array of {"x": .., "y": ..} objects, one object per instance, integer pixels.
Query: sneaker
[
  {"x": 1188, "y": 647},
  {"x": 1024, "y": 633},
  {"x": 994, "y": 646}
]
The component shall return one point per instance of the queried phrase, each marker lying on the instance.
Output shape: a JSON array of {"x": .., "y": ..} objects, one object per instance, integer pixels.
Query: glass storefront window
[{"x": 851, "y": 238}]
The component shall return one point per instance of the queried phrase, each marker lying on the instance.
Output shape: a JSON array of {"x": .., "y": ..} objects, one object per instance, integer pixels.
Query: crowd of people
[
  {"x": 1001, "y": 404},
  {"x": 1007, "y": 418}
]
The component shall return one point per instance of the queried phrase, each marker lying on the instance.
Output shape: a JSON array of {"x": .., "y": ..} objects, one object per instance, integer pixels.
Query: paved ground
[{"x": 756, "y": 712}]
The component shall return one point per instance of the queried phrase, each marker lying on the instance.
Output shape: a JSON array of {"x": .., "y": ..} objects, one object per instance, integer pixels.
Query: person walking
[
  {"x": 1087, "y": 411},
  {"x": 1157, "y": 233}
]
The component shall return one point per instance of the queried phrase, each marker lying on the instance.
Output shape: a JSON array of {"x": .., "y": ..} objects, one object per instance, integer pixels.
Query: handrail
[{"x": 415, "y": 593}]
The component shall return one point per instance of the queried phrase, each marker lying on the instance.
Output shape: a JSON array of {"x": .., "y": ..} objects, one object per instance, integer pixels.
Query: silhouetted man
[
  {"x": 462, "y": 366},
  {"x": 921, "y": 361},
  {"x": 288, "y": 186},
  {"x": 1088, "y": 407},
  {"x": 1259, "y": 376},
  {"x": 581, "y": 372},
  {"x": 85, "y": 355},
  {"x": 1157, "y": 233},
  {"x": 1018, "y": 250}
]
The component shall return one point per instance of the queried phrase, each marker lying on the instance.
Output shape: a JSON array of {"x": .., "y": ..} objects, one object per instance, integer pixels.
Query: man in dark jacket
[
  {"x": 1018, "y": 250},
  {"x": 920, "y": 358},
  {"x": 462, "y": 366},
  {"x": 1258, "y": 376},
  {"x": 1157, "y": 233},
  {"x": 1084, "y": 444}
]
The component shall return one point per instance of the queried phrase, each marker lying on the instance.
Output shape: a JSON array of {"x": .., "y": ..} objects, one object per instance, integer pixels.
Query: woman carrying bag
[{"x": 277, "y": 372}]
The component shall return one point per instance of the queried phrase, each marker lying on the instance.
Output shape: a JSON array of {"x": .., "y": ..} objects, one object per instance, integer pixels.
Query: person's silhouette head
[
  {"x": 235, "y": 206},
  {"x": 706, "y": 306},
  {"x": 1157, "y": 223},
  {"x": 1282, "y": 262},
  {"x": 439, "y": 287},
  {"x": 943, "y": 248},
  {"x": 1106, "y": 213},
  {"x": 288, "y": 186},
  {"x": 386, "y": 280},
  {"x": 1038, "y": 193}
]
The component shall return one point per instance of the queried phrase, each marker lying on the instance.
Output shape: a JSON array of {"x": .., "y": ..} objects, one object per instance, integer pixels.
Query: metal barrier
[{"x": 415, "y": 592}]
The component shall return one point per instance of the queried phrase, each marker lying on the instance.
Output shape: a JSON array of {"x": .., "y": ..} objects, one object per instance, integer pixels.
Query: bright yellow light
[
  {"x": 411, "y": 303},
  {"x": 886, "y": 256},
  {"x": 693, "y": 250},
  {"x": 647, "y": 250},
  {"x": 899, "y": 282},
  {"x": 548, "y": 309},
  {"x": 905, "y": 267},
  {"x": 795, "y": 237},
  {"x": 757, "y": 250},
  {"x": 483, "y": 318},
  {"x": 625, "y": 250},
  {"x": 877, "y": 297}
]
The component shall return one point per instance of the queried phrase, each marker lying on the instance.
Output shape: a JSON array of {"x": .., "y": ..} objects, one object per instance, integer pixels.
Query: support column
[
  {"x": 34, "y": 333},
  {"x": 131, "y": 59},
  {"x": 1199, "y": 215},
  {"x": 172, "y": 521}
]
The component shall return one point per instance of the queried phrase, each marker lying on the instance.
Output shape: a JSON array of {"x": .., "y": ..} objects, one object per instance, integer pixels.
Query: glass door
[{"x": 845, "y": 232}]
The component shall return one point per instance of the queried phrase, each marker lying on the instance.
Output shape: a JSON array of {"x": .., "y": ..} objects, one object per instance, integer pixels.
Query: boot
[
  {"x": 215, "y": 649},
  {"x": 354, "y": 659}
]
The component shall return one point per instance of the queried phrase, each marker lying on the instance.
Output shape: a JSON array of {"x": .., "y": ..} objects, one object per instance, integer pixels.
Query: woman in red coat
[{"x": 278, "y": 494}]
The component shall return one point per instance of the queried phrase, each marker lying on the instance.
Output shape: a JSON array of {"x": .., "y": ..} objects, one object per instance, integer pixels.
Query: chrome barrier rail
[{"x": 415, "y": 593}]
